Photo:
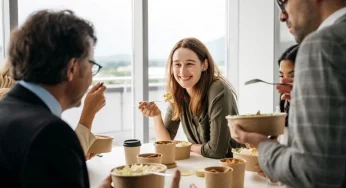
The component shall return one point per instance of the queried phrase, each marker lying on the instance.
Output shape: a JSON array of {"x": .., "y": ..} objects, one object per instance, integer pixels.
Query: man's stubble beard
[{"x": 312, "y": 22}]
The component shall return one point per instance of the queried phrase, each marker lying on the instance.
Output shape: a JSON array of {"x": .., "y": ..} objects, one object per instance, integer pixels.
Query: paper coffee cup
[{"x": 131, "y": 150}]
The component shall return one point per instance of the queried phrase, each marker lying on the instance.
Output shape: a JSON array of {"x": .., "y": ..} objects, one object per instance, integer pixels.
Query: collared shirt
[
  {"x": 44, "y": 95},
  {"x": 332, "y": 18}
]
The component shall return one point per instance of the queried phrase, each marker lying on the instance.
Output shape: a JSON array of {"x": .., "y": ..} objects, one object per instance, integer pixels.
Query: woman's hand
[
  {"x": 149, "y": 109},
  {"x": 93, "y": 102}
]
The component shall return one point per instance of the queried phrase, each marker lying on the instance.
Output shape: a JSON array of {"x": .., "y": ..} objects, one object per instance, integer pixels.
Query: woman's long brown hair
[{"x": 199, "y": 101}]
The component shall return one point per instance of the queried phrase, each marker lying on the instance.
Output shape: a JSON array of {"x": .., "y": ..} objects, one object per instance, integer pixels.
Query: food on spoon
[{"x": 168, "y": 97}]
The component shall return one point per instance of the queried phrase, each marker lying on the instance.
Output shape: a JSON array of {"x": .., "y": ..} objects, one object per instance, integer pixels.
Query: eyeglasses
[
  {"x": 96, "y": 67},
  {"x": 281, "y": 4}
]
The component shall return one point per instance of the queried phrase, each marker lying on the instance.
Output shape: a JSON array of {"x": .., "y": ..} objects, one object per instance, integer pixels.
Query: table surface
[{"x": 100, "y": 167}]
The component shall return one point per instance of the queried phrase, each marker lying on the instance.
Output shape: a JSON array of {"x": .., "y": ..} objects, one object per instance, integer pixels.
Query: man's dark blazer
[{"x": 37, "y": 148}]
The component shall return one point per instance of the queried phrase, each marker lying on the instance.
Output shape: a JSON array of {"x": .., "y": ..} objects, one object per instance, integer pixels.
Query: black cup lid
[{"x": 132, "y": 143}]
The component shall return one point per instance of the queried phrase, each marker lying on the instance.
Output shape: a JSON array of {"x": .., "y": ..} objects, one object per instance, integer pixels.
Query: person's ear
[
  {"x": 71, "y": 69},
  {"x": 205, "y": 65}
]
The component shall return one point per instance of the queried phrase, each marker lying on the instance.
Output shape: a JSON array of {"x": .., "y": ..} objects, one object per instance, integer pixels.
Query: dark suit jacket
[{"x": 37, "y": 148}]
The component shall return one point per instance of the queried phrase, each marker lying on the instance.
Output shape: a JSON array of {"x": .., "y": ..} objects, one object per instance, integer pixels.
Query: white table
[{"x": 100, "y": 167}]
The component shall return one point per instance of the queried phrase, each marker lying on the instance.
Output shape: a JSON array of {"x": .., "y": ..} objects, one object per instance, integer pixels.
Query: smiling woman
[
  {"x": 203, "y": 98},
  {"x": 185, "y": 18}
]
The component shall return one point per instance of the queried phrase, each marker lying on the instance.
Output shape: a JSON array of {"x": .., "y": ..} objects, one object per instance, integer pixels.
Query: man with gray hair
[{"x": 316, "y": 152}]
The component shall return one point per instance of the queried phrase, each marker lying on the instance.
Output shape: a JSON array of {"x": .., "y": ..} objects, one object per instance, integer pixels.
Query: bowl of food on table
[
  {"x": 138, "y": 176},
  {"x": 218, "y": 176},
  {"x": 250, "y": 155},
  {"x": 238, "y": 166},
  {"x": 102, "y": 144},
  {"x": 149, "y": 158},
  {"x": 167, "y": 149},
  {"x": 182, "y": 150}
]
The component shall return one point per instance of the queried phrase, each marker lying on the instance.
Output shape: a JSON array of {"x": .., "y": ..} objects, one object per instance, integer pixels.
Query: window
[
  {"x": 172, "y": 20},
  {"x": 2, "y": 43},
  {"x": 112, "y": 20}
]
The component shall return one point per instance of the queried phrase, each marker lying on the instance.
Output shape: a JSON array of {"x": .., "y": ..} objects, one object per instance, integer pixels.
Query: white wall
[{"x": 255, "y": 54}]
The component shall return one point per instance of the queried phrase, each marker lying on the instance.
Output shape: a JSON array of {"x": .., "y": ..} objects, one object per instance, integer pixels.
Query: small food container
[
  {"x": 102, "y": 144},
  {"x": 249, "y": 155},
  {"x": 218, "y": 176},
  {"x": 238, "y": 174},
  {"x": 167, "y": 149},
  {"x": 149, "y": 158},
  {"x": 182, "y": 150}
]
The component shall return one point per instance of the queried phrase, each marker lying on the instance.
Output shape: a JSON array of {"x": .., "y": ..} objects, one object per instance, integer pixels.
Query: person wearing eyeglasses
[
  {"x": 316, "y": 152},
  {"x": 93, "y": 103},
  {"x": 51, "y": 59}
]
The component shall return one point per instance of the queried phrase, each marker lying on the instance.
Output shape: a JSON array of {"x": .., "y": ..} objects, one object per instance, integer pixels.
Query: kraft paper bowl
[
  {"x": 222, "y": 178},
  {"x": 102, "y": 144},
  {"x": 139, "y": 181},
  {"x": 267, "y": 124},
  {"x": 238, "y": 174},
  {"x": 167, "y": 149},
  {"x": 251, "y": 161},
  {"x": 149, "y": 158},
  {"x": 182, "y": 152}
]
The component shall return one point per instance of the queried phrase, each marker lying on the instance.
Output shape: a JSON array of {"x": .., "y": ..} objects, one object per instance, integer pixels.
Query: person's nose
[
  {"x": 183, "y": 70},
  {"x": 283, "y": 16}
]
